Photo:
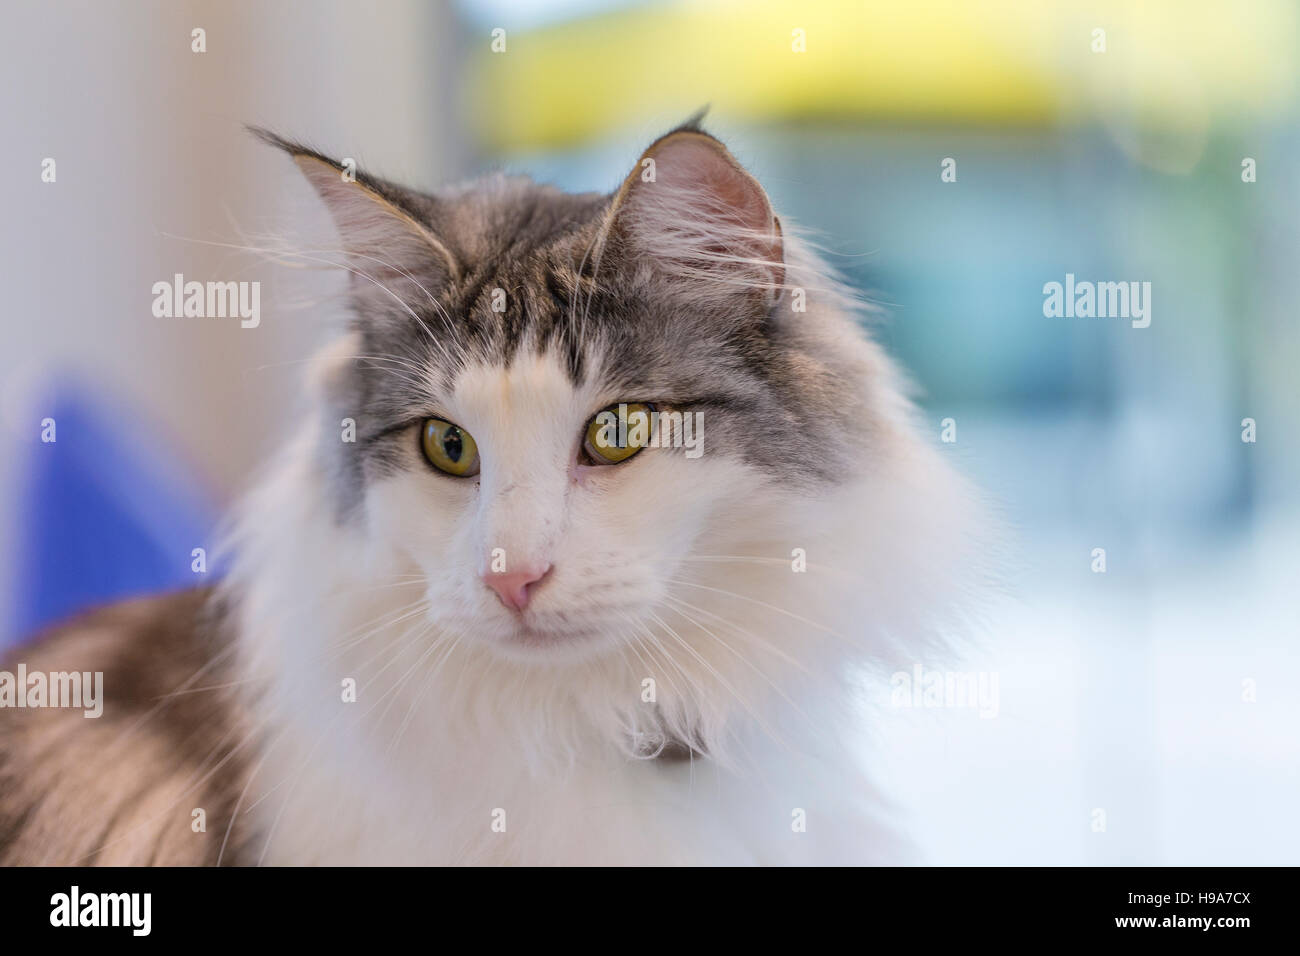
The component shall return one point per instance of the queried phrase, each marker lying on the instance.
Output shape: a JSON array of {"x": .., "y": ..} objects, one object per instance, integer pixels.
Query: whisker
[
  {"x": 764, "y": 604},
  {"x": 771, "y": 683},
  {"x": 719, "y": 678},
  {"x": 773, "y": 648}
]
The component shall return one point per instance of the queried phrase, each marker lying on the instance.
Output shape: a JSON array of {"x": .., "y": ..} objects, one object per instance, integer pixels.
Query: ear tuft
[
  {"x": 387, "y": 242},
  {"x": 692, "y": 124},
  {"x": 693, "y": 209}
]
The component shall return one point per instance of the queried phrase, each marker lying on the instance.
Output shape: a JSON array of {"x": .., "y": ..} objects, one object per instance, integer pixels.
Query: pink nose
[{"x": 515, "y": 588}]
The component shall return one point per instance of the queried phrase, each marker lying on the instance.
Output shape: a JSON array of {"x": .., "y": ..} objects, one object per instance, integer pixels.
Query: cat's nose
[{"x": 515, "y": 587}]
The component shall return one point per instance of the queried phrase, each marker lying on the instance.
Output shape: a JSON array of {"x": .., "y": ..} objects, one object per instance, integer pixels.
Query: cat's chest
[{"x": 634, "y": 813}]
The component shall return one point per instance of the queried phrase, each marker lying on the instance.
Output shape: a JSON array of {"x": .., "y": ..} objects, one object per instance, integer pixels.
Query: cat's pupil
[{"x": 453, "y": 444}]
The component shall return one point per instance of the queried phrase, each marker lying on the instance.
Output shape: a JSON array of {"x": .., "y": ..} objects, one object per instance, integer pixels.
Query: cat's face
[
  {"x": 493, "y": 325},
  {"x": 545, "y": 552}
]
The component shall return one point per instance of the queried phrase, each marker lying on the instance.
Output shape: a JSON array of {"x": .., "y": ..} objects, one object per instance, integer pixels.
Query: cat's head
[{"x": 494, "y": 323}]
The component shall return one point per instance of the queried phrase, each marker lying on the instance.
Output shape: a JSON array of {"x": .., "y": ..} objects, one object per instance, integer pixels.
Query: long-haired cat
[{"x": 607, "y": 507}]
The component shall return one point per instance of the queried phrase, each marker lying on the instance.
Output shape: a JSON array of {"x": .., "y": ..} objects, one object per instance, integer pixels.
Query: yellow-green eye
[
  {"x": 619, "y": 432},
  {"x": 449, "y": 448}
]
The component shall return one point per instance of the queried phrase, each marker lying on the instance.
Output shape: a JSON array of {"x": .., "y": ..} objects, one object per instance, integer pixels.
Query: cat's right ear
[
  {"x": 689, "y": 208},
  {"x": 388, "y": 242}
]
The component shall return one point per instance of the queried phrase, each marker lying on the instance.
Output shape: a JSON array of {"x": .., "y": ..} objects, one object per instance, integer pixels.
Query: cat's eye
[
  {"x": 449, "y": 448},
  {"x": 617, "y": 433}
]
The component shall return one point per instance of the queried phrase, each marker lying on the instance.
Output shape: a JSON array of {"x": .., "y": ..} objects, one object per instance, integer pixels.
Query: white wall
[{"x": 150, "y": 150}]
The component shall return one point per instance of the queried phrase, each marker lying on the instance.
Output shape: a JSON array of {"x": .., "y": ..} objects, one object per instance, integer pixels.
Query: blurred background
[{"x": 1147, "y": 715}]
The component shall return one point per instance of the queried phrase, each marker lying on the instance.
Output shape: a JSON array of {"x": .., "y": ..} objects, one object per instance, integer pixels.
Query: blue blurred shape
[{"x": 108, "y": 510}]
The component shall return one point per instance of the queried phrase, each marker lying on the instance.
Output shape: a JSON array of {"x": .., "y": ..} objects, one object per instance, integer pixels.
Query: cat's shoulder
[
  {"x": 143, "y": 639},
  {"x": 115, "y": 728}
]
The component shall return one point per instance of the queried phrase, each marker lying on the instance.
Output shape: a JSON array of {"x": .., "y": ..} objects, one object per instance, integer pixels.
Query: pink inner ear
[
  {"x": 704, "y": 217},
  {"x": 379, "y": 241},
  {"x": 698, "y": 165}
]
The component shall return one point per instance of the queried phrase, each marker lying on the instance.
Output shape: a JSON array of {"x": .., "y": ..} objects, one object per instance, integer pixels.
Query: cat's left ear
[
  {"x": 692, "y": 209},
  {"x": 389, "y": 244}
]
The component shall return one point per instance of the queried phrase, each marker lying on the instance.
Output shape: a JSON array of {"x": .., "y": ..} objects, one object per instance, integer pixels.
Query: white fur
[{"x": 461, "y": 716}]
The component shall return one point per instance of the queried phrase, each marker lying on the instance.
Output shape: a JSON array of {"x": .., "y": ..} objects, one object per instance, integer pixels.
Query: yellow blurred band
[{"x": 1010, "y": 62}]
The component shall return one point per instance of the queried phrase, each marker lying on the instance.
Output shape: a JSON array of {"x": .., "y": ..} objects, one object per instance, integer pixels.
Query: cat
[{"x": 466, "y": 623}]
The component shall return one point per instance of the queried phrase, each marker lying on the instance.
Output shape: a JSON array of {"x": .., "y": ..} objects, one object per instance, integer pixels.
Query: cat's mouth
[
  {"x": 536, "y": 640},
  {"x": 543, "y": 636}
]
